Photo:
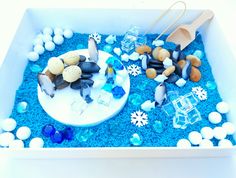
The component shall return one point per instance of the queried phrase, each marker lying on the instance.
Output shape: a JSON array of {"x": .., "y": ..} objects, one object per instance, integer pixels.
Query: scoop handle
[{"x": 205, "y": 16}]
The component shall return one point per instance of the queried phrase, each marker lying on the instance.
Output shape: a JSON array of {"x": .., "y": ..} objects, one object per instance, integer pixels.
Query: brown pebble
[
  {"x": 50, "y": 75},
  {"x": 151, "y": 73},
  {"x": 195, "y": 75},
  {"x": 195, "y": 61},
  {"x": 182, "y": 63},
  {"x": 169, "y": 71},
  {"x": 155, "y": 52},
  {"x": 163, "y": 54},
  {"x": 143, "y": 49}
]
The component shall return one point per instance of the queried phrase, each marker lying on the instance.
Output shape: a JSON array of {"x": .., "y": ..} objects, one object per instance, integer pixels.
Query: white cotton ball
[
  {"x": 195, "y": 137},
  {"x": 49, "y": 46},
  {"x": 206, "y": 144},
  {"x": 222, "y": 107},
  {"x": 68, "y": 33},
  {"x": 225, "y": 143},
  {"x": 47, "y": 38},
  {"x": 16, "y": 144},
  {"x": 183, "y": 143},
  {"x": 47, "y": 30},
  {"x": 58, "y": 31},
  {"x": 38, "y": 41},
  {"x": 6, "y": 138},
  {"x": 23, "y": 133},
  {"x": 39, "y": 49},
  {"x": 33, "y": 56},
  {"x": 229, "y": 128},
  {"x": 207, "y": 133},
  {"x": 58, "y": 39},
  {"x": 8, "y": 124},
  {"x": 219, "y": 133},
  {"x": 215, "y": 117},
  {"x": 36, "y": 143}
]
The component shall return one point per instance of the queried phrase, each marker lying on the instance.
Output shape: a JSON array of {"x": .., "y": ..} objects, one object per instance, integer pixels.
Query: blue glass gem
[
  {"x": 36, "y": 68},
  {"x": 110, "y": 81},
  {"x": 117, "y": 65},
  {"x": 211, "y": 85},
  {"x": 107, "y": 87},
  {"x": 48, "y": 130},
  {"x": 118, "y": 92},
  {"x": 136, "y": 140},
  {"x": 111, "y": 60},
  {"x": 68, "y": 133},
  {"x": 198, "y": 53},
  {"x": 135, "y": 99},
  {"x": 108, "y": 48},
  {"x": 80, "y": 46},
  {"x": 57, "y": 137},
  {"x": 158, "y": 127},
  {"x": 22, "y": 107},
  {"x": 84, "y": 135},
  {"x": 142, "y": 86}
]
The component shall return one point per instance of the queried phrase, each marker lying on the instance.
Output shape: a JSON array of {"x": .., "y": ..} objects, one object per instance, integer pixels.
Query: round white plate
[{"x": 66, "y": 104}]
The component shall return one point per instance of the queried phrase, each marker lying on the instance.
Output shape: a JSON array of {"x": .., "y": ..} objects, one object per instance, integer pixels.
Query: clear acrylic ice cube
[
  {"x": 194, "y": 116},
  {"x": 180, "y": 120},
  {"x": 104, "y": 98},
  {"x": 128, "y": 42},
  {"x": 169, "y": 109},
  {"x": 192, "y": 99}
]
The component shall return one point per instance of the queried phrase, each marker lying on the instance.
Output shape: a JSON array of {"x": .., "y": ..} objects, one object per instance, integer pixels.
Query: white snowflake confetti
[
  {"x": 139, "y": 118},
  {"x": 200, "y": 92},
  {"x": 96, "y": 36},
  {"x": 134, "y": 70}
]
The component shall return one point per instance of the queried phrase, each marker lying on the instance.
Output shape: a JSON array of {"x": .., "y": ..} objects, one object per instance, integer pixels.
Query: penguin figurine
[
  {"x": 85, "y": 92},
  {"x": 110, "y": 72}
]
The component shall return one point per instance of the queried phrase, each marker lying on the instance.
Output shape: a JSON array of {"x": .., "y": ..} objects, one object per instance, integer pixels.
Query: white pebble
[
  {"x": 207, "y": 133},
  {"x": 229, "y": 128},
  {"x": 38, "y": 41},
  {"x": 33, "y": 56},
  {"x": 206, "y": 143},
  {"x": 36, "y": 143},
  {"x": 39, "y": 49},
  {"x": 195, "y": 137},
  {"x": 225, "y": 143},
  {"x": 167, "y": 62},
  {"x": 47, "y": 30},
  {"x": 49, "y": 46},
  {"x": 58, "y": 31},
  {"x": 8, "y": 124},
  {"x": 16, "y": 144},
  {"x": 134, "y": 56},
  {"x": 219, "y": 133},
  {"x": 58, "y": 39},
  {"x": 111, "y": 39},
  {"x": 117, "y": 51},
  {"x": 47, "y": 38},
  {"x": 68, "y": 33},
  {"x": 6, "y": 138},
  {"x": 183, "y": 143},
  {"x": 23, "y": 133},
  {"x": 158, "y": 43},
  {"x": 119, "y": 80},
  {"x": 125, "y": 57},
  {"x": 222, "y": 107},
  {"x": 215, "y": 117},
  {"x": 160, "y": 78},
  {"x": 181, "y": 82}
]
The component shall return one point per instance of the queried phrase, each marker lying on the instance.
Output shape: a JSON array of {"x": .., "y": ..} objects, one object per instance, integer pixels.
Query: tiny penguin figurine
[
  {"x": 46, "y": 84},
  {"x": 176, "y": 53},
  {"x": 85, "y": 92},
  {"x": 160, "y": 94},
  {"x": 93, "y": 51},
  {"x": 110, "y": 72}
]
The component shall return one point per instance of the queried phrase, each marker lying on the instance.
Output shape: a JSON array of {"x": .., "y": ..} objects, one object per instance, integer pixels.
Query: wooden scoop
[{"x": 185, "y": 34}]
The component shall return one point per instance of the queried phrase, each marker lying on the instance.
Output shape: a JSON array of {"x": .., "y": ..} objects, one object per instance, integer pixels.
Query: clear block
[
  {"x": 104, "y": 98},
  {"x": 182, "y": 104},
  {"x": 141, "y": 40},
  {"x": 194, "y": 116},
  {"x": 172, "y": 95},
  {"x": 128, "y": 42},
  {"x": 169, "y": 109},
  {"x": 180, "y": 120},
  {"x": 78, "y": 107},
  {"x": 192, "y": 98}
]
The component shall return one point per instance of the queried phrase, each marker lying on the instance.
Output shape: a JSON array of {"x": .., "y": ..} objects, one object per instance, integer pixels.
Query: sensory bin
[{"x": 119, "y": 131}]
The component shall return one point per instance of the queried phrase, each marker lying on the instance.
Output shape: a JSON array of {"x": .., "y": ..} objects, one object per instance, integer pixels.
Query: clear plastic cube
[
  {"x": 169, "y": 109},
  {"x": 194, "y": 116},
  {"x": 180, "y": 120}
]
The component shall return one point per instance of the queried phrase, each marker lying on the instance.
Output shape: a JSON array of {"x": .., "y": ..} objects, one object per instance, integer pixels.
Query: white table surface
[{"x": 11, "y": 12}]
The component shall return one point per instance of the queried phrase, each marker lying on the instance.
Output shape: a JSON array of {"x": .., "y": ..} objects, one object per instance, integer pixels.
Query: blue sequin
[
  {"x": 48, "y": 130},
  {"x": 118, "y": 92}
]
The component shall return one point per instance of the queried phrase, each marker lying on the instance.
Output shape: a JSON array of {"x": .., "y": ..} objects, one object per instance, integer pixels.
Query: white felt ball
[
  {"x": 68, "y": 33},
  {"x": 47, "y": 38},
  {"x": 207, "y": 133},
  {"x": 195, "y": 137},
  {"x": 36, "y": 143},
  {"x": 206, "y": 144},
  {"x": 225, "y": 143},
  {"x": 58, "y": 31},
  {"x": 229, "y": 128},
  {"x": 222, "y": 107},
  {"x": 33, "y": 56},
  {"x": 40, "y": 36},
  {"x": 39, "y": 49},
  {"x": 58, "y": 39},
  {"x": 215, "y": 117},
  {"x": 6, "y": 138},
  {"x": 16, "y": 144},
  {"x": 38, "y": 41},
  {"x": 49, "y": 46},
  {"x": 23, "y": 133},
  {"x": 47, "y": 30},
  {"x": 183, "y": 143},
  {"x": 219, "y": 133},
  {"x": 8, "y": 124}
]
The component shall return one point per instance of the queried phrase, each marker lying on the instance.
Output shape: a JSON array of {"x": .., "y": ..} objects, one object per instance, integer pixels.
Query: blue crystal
[
  {"x": 68, "y": 133},
  {"x": 211, "y": 85},
  {"x": 136, "y": 140},
  {"x": 117, "y": 65},
  {"x": 158, "y": 127},
  {"x": 135, "y": 99},
  {"x": 118, "y": 92},
  {"x": 36, "y": 68},
  {"x": 110, "y": 81},
  {"x": 84, "y": 135},
  {"x": 198, "y": 53},
  {"x": 48, "y": 130},
  {"x": 80, "y": 46},
  {"x": 111, "y": 60},
  {"x": 22, "y": 107},
  {"x": 107, "y": 87},
  {"x": 108, "y": 48},
  {"x": 57, "y": 137}
]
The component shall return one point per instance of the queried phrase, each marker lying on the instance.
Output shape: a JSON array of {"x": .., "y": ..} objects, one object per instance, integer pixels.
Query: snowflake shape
[
  {"x": 139, "y": 118},
  {"x": 134, "y": 70},
  {"x": 200, "y": 92},
  {"x": 96, "y": 36}
]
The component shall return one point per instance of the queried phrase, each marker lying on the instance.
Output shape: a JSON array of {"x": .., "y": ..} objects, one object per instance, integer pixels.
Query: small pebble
[
  {"x": 206, "y": 144},
  {"x": 169, "y": 71},
  {"x": 155, "y": 52},
  {"x": 167, "y": 62},
  {"x": 49, "y": 46},
  {"x": 47, "y": 30},
  {"x": 16, "y": 144},
  {"x": 158, "y": 43},
  {"x": 195, "y": 61},
  {"x": 198, "y": 53},
  {"x": 195, "y": 137},
  {"x": 58, "y": 31},
  {"x": 22, "y": 107},
  {"x": 55, "y": 65},
  {"x": 38, "y": 41},
  {"x": 214, "y": 117},
  {"x": 136, "y": 140},
  {"x": 6, "y": 138},
  {"x": 117, "y": 51},
  {"x": 219, "y": 133},
  {"x": 183, "y": 143},
  {"x": 160, "y": 78},
  {"x": 47, "y": 38},
  {"x": 181, "y": 82},
  {"x": 225, "y": 143},
  {"x": 207, "y": 133},
  {"x": 71, "y": 73},
  {"x": 182, "y": 63},
  {"x": 151, "y": 73},
  {"x": 143, "y": 49},
  {"x": 68, "y": 33},
  {"x": 39, "y": 49},
  {"x": 195, "y": 74},
  {"x": 36, "y": 143},
  {"x": 163, "y": 54},
  {"x": 8, "y": 124},
  {"x": 134, "y": 56},
  {"x": 229, "y": 128},
  {"x": 23, "y": 133},
  {"x": 125, "y": 57},
  {"x": 58, "y": 39},
  {"x": 222, "y": 107},
  {"x": 50, "y": 75},
  {"x": 71, "y": 58},
  {"x": 33, "y": 56}
]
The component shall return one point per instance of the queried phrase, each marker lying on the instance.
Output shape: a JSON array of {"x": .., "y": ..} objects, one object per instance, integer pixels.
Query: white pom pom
[
  {"x": 6, "y": 138},
  {"x": 39, "y": 49},
  {"x": 47, "y": 38},
  {"x": 219, "y": 133},
  {"x": 215, "y": 117},
  {"x": 68, "y": 33},
  {"x": 36, "y": 143},
  {"x": 229, "y": 128},
  {"x": 195, "y": 137},
  {"x": 16, "y": 144},
  {"x": 33, "y": 56},
  {"x": 23, "y": 133},
  {"x": 58, "y": 31},
  {"x": 225, "y": 143},
  {"x": 183, "y": 143},
  {"x": 222, "y": 107},
  {"x": 58, "y": 39},
  {"x": 8, "y": 124},
  {"x": 206, "y": 144},
  {"x": 49, "y": 46},
  {"x": 47, "y": 30},
  {"x": 207, "y": 133}
]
